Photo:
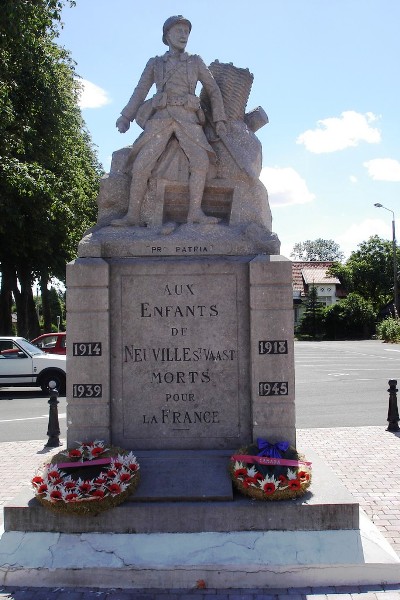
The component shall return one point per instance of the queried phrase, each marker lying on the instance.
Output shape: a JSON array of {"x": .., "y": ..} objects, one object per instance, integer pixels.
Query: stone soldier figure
[{"x": 173, "y": 111}]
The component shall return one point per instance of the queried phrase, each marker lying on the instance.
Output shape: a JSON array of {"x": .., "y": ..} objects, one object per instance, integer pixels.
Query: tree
[
  {"x": 369, "y": 271},
  {"x": 350, "y": 318},
  {"x": 319, "y": 249},
  {"x": 312, "y": 322},
  {"x": 48, "y": 169}
]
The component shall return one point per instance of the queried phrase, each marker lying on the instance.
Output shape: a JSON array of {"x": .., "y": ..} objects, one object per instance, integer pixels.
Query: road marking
[
  {"x": 338, "y": 374},
  {"x": 391, "y": 350},
  {"x": 60, "y": 416}
]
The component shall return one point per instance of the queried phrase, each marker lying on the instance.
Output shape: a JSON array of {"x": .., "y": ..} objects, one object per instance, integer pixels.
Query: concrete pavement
[{"x": 366, "y": 459}]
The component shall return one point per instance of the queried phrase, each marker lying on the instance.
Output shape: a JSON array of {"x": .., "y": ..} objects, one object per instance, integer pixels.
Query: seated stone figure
[
  {"x": 193, "y": 173},
  {"x": 173, "y": 113}
]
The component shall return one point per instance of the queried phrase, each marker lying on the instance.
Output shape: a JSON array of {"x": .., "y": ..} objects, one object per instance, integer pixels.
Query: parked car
[
  {"x": 23, "y": 364},
  {"x": 53, "y": 343}
]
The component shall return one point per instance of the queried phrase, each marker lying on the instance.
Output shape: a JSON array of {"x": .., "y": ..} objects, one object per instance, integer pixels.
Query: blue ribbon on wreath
[{"x": 271, "y": 450}]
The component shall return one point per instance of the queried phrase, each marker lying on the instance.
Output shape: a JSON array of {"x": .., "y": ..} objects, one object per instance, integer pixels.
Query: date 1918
[
  {"x": 87, "y": 390},
  {"x": 273, "y": 347},
  {"x": 273, "y": 388}
]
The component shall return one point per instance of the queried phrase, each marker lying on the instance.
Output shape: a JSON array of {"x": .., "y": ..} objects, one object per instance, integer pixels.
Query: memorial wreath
[
  {"x": 270, "y": 471},
  {"x": 94, "y": 479}
]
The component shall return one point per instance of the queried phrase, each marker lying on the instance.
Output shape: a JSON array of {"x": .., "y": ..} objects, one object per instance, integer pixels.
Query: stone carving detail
[{"x": 205, "y": 172}]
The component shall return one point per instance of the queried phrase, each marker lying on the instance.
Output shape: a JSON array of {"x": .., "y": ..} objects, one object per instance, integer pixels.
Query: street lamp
[{"x": 395, "y": 286}]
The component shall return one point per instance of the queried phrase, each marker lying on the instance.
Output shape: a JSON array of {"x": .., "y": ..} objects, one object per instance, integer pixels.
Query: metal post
[
  {"x": 396, "y": 286},
  {"x": 393, "y": 411},
  {"x": 395, "y": 275},
  {"x": 53, "y": 429}
]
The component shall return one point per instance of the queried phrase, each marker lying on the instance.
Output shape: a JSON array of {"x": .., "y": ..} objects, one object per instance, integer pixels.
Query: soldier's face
[{"x": 177, "y": 36}]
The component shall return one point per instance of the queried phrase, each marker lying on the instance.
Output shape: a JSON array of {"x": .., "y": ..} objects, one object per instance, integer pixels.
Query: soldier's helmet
[{"x": 170, "y": 22}]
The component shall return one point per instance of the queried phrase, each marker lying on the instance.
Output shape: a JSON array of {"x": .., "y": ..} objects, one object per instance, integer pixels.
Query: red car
[{"x": 54, "y": 343}]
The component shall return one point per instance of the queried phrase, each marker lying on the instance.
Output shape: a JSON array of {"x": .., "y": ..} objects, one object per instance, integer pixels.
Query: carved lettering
[
  {"x": 179, "y": 289},
  {"x": 192, "y": 249},
  {"x": 150, "y": 420},
  {"x": 134, "y": 354},
  {"x": 180, "y": 397},
  {"x": 175, "y": 417},
  {"x": 180, "y": 348},
  {"x": 169, "y": 310},
  {"x": 175, "y": 354},
  {"x": 181, "y": 331},
  {"x": 181, "y": 377}
]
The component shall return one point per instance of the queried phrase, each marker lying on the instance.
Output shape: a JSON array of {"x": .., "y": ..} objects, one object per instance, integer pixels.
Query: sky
[{"x": 326, "y": 72}]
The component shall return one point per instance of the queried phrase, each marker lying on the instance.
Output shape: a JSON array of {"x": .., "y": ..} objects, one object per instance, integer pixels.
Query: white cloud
[
  {"x": 285, "y": 186},
  {"x": 360, "y": 232},
  {"x": 353, "y": 179},
  {"x": 92, "y": 96},
  {"x": 383, "y": 169},
  {"x": 338, "y": 133}
]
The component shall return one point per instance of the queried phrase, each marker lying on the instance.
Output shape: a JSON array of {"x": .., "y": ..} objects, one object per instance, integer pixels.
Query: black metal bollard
[
  {"x": 53, "y": 429},
  {"x": 393, "y": 411}
]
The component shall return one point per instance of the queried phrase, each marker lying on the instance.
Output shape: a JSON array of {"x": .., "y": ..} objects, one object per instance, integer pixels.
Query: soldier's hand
[
  {"x": 220, "y": 128},
  {"x": 123, "y": 124}
]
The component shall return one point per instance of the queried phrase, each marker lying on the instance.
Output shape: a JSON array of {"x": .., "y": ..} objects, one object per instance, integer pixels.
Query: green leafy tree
[
  {"x": 48, "y": 169},
  {"x": 350, "y": 318},
  {"x": 312, "y": 322},
  {"x": 369, "y": 271},
  {"x": 317, "y": 250}
]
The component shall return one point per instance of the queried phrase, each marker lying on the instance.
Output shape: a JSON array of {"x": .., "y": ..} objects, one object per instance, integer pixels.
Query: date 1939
[{"x": 87, "y": 390}]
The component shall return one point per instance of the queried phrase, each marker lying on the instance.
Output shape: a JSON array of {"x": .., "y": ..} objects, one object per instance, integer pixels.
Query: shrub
[
  {"x": 351, "y": 318},
  {"x": 389, "y": 329}
]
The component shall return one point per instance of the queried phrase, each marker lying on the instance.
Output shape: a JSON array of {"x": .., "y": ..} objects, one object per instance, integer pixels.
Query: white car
[{"x": 22, "y": 363}]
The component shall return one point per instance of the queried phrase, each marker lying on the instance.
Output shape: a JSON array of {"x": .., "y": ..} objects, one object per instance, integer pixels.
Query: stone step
[
  {"x": 183, "y": 476},
  {"x": 158, "y": 508}
]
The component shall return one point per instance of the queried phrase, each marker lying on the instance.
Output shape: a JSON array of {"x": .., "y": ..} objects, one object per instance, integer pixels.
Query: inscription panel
[{"x": 179, "y": 357}]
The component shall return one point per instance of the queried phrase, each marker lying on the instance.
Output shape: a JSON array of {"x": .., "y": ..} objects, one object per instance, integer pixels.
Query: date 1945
[{"x": 273, "y": 388}]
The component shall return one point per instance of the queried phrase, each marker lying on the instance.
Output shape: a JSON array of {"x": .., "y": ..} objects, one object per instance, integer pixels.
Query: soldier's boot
[
  {"x": 136, "y": 196},
  {"x": 197, "y": 181}
]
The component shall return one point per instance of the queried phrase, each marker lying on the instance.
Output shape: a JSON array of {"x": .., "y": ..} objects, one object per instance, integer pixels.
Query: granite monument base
[
  {"x": 193, "y": 498},
  {"x": 318, "y": 540},
  {"x": 176, "y": 353}
]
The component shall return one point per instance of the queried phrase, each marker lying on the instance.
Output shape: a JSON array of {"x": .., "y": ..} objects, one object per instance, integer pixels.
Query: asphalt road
[
  {"x": 338, "y": 384},
  {"x": 24, "y": 415},
  {"x": 344, "y": 384}
]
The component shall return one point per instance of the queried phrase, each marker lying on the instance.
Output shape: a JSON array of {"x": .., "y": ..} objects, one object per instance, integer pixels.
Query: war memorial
[{"x": 180, "y": 352}]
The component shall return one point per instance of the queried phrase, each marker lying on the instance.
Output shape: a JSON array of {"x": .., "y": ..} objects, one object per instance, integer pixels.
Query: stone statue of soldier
[{"x": 173, "y": 111}]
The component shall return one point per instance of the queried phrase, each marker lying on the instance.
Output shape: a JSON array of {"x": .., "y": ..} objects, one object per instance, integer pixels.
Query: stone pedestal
[{"x": 180, "y": 353}]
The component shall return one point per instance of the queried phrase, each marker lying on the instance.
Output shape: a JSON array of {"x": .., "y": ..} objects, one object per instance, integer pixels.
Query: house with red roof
[{"x": 313, "y": 274}]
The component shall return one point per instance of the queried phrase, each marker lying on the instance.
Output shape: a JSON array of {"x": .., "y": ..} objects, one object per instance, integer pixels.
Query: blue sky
[{"x": 325, "y": 71}]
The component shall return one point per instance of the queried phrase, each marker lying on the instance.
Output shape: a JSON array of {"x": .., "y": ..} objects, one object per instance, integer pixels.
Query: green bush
[
  {"x": 389, "y": 330},
  {"x": 351, "y": 318}
]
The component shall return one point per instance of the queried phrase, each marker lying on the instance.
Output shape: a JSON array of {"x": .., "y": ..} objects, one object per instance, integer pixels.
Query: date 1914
[{"x": 86, "y": 349}]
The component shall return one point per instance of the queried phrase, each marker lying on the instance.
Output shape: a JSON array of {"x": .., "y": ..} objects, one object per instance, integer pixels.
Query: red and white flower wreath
[
  {"x": 118, "y": 476},
  {"x": 270, "y": 471}
]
